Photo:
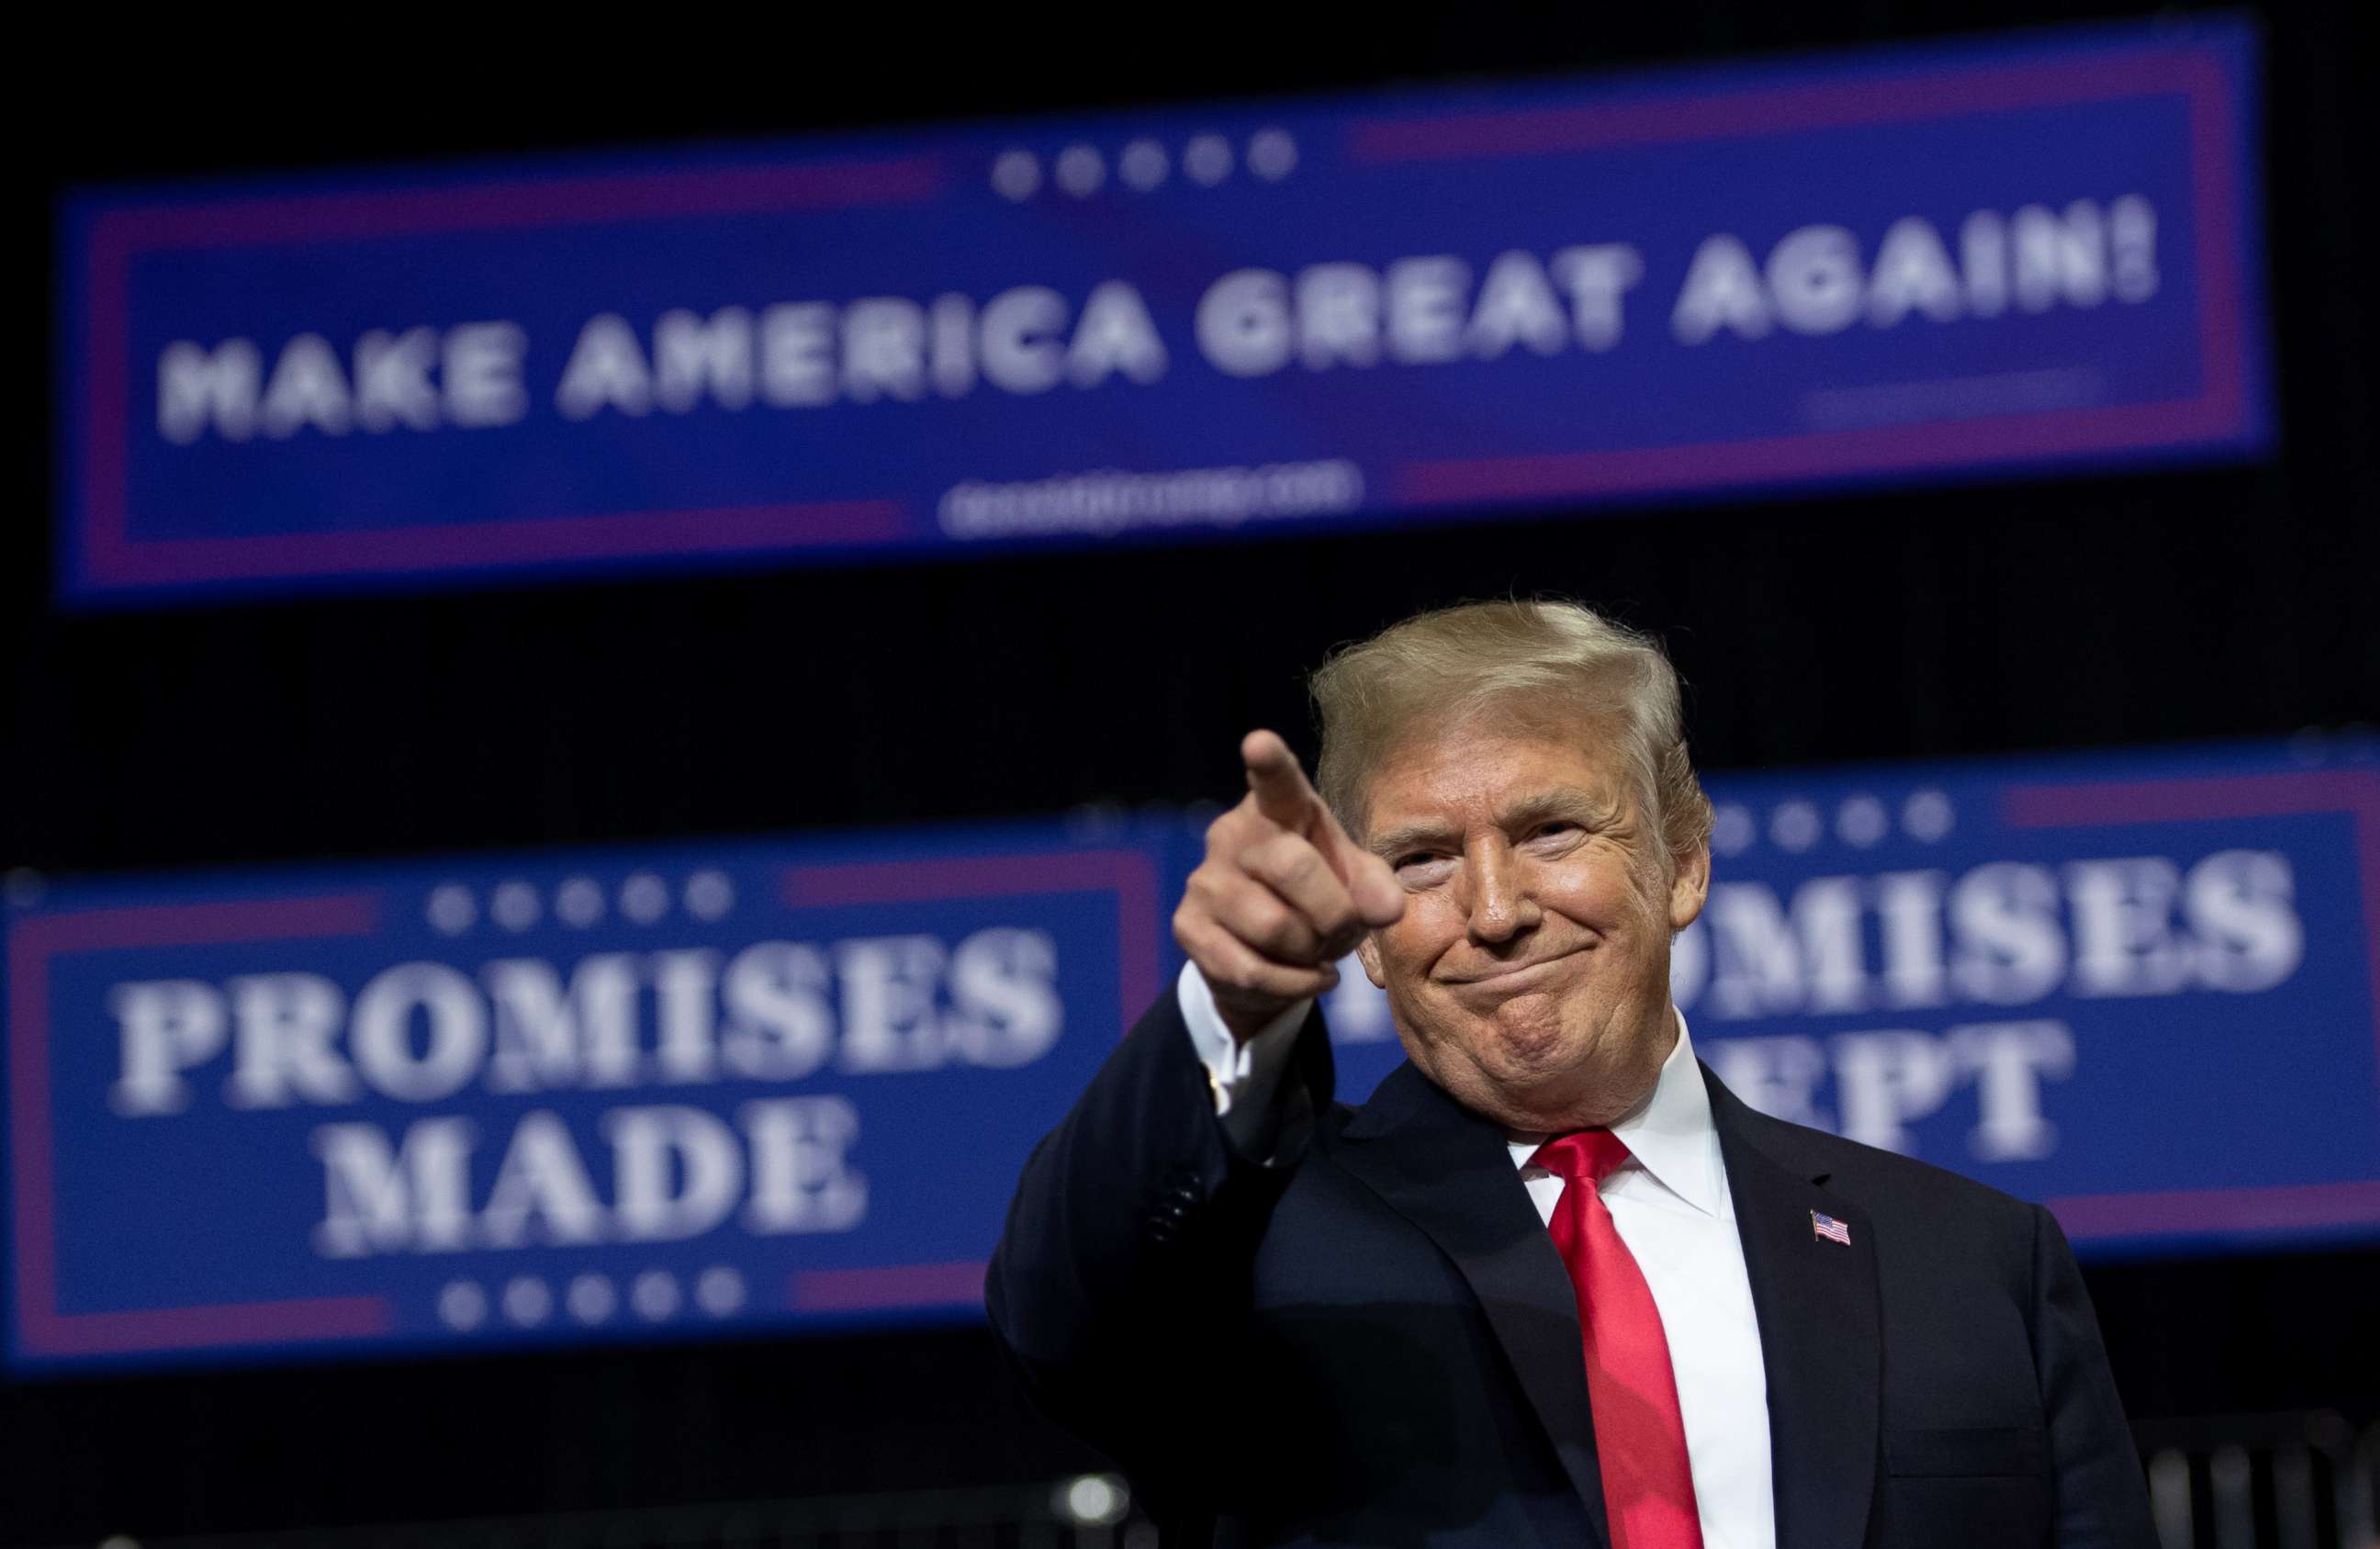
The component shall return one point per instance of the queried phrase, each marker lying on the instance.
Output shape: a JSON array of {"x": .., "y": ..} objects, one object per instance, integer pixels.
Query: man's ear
[
  {"x": 1689, "y": 887},
  {"x": 1369, "y": 956}
]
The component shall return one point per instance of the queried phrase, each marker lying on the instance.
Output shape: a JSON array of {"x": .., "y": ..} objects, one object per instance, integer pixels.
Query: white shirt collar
[{"x": 1671, "y": 1134}]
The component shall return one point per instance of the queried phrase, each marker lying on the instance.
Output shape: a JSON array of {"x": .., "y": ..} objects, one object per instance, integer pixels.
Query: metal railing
[
  {"x": 2239, "y": 1482},
  {"x": 1092, "y": 1511},
  {"x": 2262, "y": 1482}
]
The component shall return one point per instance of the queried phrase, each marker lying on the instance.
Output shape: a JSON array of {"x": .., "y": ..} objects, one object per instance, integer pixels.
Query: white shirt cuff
[{"x": 1245, "y": 1077}]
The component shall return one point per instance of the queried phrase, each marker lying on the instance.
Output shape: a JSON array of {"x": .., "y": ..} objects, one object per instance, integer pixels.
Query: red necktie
[{"x": 1640, "y": 1438}]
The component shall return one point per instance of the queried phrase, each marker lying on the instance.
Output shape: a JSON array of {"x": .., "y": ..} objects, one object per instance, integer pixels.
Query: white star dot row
[
  {"x": 1082, "y": 170},
  {"x": 1861, "y": 821},
  {"x": 528, "y": 1301},
  {"x": 645, "y": 897}
]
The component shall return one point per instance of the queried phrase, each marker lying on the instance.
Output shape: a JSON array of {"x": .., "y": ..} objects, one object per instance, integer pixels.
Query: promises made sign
[
  {"x": 616, "y": 1093},
  {"x": 756, "y": 1086}
]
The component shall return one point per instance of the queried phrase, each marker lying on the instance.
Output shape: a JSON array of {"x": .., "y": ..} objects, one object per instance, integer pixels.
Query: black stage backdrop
[{"x": 2001, "y": 617}]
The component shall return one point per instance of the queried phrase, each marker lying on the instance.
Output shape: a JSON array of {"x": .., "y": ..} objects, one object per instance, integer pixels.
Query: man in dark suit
[{"x": 1553, "y": 1284}]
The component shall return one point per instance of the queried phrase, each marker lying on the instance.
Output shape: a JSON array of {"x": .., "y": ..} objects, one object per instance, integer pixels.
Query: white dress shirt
[{"x": 1672, "y": 1206}]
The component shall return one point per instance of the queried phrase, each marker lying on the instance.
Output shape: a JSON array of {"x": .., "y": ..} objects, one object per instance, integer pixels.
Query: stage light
[{"x": 1094, "y": 1500}]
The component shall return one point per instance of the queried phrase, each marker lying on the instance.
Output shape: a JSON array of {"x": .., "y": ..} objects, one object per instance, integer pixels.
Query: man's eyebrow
[
  {"x": 1389, "y": 844},
  {"x": 1572, "y": 802}
]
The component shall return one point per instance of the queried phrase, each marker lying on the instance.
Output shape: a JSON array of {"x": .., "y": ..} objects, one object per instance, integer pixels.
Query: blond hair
[{"x": 1524, "y": 658}]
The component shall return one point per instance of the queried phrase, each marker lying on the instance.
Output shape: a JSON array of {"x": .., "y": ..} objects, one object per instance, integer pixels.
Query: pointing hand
[{"x": 1282, "y": 895}]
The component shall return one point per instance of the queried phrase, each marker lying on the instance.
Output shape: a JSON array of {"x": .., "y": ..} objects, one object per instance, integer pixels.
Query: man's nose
[{"x": 1501, "y": 906}]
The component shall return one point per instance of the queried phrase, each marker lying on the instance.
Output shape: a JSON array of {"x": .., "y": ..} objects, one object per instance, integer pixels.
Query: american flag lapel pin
[{"x": 1826, "y": 1225}]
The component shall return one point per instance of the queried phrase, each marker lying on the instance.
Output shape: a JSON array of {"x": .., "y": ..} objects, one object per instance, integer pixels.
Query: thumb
[{"x": 1372, "y": 886}]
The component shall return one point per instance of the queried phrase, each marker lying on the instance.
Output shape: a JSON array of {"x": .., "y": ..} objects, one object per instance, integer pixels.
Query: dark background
[{"x": 2001, "y": 617}]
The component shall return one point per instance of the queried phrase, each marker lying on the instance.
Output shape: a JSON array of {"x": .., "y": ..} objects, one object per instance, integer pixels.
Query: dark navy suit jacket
[{"x": 1371, "y": 1340}]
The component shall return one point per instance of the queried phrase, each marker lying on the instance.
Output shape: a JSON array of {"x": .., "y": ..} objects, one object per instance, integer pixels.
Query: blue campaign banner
[
  {"x": 1910, "y": 262},
  {"x": 2142, "y": 990},
  {"x": 746, "y": 1087},
  {"x": 590, "y": 1097}
]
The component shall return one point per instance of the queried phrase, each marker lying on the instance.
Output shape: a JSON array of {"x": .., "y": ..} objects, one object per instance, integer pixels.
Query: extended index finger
[
  {"x": 1280, "y": 786},
  {"x": 1284, "y": 796}
]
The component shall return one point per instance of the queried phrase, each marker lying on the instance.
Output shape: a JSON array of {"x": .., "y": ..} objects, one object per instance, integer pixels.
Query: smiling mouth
[{"x": 1504, "y": 977}]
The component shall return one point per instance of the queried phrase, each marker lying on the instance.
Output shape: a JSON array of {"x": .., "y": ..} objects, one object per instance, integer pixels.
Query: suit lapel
[
  {"x": 1447, "y": 1170},
  {"x": 1817, "y": 1302}
]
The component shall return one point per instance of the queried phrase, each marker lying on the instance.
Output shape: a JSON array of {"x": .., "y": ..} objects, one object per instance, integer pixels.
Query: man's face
[{"x": 1530, "y": 973}]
